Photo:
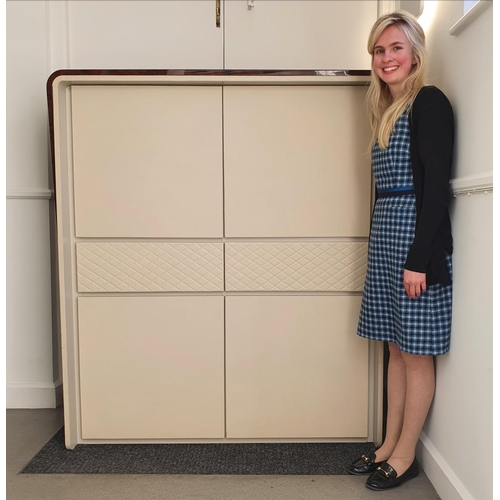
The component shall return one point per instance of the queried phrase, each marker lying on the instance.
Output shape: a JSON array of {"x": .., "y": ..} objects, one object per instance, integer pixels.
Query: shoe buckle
[
  {"x": 365, "y": 458},
  {"x": 384, "y": 471}
]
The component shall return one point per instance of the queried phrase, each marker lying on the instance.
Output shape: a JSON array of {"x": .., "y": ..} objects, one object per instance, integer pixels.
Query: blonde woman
[{"x": 408, "y": 290}]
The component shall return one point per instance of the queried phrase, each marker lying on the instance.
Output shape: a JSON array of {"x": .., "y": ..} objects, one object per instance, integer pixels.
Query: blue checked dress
[{"x": 417, "y": 326}]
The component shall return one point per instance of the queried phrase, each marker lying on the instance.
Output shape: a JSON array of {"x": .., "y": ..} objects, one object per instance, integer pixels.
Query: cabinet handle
[{"x": 217, "y": 13}]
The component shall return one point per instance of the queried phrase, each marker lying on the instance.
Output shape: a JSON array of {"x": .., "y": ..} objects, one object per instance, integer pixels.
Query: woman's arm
[{"x": 435, "y": 130}]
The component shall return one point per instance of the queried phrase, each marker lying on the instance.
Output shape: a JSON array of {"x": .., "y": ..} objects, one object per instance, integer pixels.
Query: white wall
[
  {"x": 456, "y": 448},
  {"x": 32, "y": 368}
]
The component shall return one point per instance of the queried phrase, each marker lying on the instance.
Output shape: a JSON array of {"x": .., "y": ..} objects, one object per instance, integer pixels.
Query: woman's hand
[{"x": 414, "y": 283}]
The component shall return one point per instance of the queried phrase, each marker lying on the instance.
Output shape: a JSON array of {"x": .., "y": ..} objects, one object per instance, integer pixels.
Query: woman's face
[{"x": 393, "y": 58}]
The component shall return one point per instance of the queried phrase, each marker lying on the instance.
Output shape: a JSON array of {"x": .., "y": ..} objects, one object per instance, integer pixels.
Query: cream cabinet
[{"x": 212, "y": 239}]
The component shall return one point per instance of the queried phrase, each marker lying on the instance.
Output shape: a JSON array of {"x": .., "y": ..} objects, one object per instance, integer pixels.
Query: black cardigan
[{"x": 431, "y": 151}]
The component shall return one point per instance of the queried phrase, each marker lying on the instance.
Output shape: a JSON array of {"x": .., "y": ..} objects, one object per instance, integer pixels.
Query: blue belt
[{"x": 400, "y": 191}]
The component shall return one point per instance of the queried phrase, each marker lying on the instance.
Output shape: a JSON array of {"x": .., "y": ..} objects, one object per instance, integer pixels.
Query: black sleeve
[{"x": 435, "y": 130}]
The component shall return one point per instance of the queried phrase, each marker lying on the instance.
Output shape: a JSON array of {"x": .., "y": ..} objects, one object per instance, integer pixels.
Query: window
[{"x": 468, "y": 4}]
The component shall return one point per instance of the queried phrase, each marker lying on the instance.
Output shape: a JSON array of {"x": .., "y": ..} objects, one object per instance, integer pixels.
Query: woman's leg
[
  {"x": 420, "y": 383},
  {"x": 396, "y": 398}
]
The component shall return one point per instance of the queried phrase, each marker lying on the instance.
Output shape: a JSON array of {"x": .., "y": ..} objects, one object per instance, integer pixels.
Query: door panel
[
  {"x": 151, "y": 367},
  {"x": 147, "y": 161},
  {"x": 298, "y": 34},
  {"x": 295, "y": 162},
  {"x": 144, "y": 35},
  {"x": 295, "y": 368}
]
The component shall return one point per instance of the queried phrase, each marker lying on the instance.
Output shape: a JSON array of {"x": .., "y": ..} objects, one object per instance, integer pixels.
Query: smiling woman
[
  {"x": 408, "y": 289},
  {"x": 393, "y": 59}
]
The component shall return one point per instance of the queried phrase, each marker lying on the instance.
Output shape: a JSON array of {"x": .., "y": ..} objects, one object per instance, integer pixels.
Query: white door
[
  {"x": 298, "y": 34},
  {"x": 144, "y": 35}
]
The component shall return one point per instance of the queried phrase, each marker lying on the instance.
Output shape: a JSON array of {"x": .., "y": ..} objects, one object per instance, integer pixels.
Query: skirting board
[
  {"x": 34, "y": 395},
  {"x": 446, "y": 483}
]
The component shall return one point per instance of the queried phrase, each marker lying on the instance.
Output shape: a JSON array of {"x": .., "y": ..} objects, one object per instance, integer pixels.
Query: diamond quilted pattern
[
  {"x": 331, "y": 266},
  {"x": 149, "y": 267}
]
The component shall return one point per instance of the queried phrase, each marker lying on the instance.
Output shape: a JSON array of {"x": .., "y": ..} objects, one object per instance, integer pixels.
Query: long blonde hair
[{"x": 383, "y": 112}]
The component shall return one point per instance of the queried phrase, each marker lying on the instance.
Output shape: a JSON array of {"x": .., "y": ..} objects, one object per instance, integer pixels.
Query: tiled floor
[{"x": 29, "y": 430}]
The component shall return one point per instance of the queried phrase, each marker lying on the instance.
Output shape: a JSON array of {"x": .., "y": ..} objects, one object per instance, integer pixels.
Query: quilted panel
[
  {"x": 149, "y": 267},
  {"x": 296, "y": 266}
]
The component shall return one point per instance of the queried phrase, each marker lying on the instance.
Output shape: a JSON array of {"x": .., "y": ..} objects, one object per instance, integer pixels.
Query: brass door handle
[{"x": 217, "y": 13}]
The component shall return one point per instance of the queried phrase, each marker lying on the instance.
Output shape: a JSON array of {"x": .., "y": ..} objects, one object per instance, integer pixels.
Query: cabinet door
[
  {"x": 144, "y": 34},
  {"x": 295, "y": 368},
  {"x": 298, "y": 34},
  {"x": 151, "y": 367},
  {"x": 147, "y": 161},
  {"x": 295, "y": 162}
]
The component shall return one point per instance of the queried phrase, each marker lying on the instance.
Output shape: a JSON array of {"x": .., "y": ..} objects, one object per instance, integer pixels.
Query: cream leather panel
[
  {"x": 151, "y": 367},
  {"x": 295, "y": 367},
  {"x": 284, "y": 266},
  {"x": 147, "y": 161},
  {"x": 295, "y": 162},
  {"x": 149, "y": 267}
]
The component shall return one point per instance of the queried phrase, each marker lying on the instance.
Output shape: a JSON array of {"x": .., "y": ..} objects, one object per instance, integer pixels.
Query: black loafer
[
  {"x": 385, "y": 477},
  {"x": 364, "y": 465}
]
